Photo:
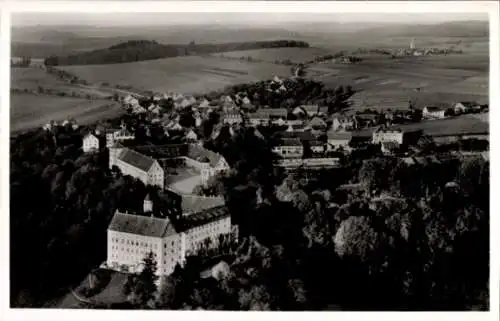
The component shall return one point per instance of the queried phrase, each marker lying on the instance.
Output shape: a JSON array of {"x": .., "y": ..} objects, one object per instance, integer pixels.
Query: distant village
[{"x": 303, "y": 137}]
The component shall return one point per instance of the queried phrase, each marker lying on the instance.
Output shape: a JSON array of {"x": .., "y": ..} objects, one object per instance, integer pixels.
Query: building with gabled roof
[
  {"x": 338, "y": 139},
  {"x": 140, "y": 166},
  {"x": 433, "y": 112},
  {"x": 317, "y": 123},
  {"x": 92, "y": 142}
]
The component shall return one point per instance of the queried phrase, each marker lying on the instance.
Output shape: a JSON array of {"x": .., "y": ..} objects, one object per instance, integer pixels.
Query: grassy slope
[
  {"x": 31, "y": 111},
  {"x": 32, "y": 77},
  {"x": 184, "y": 74}
]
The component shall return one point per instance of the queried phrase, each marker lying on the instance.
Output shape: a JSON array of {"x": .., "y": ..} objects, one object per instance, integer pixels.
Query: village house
[
  {"x": 130, "y": 237},
  {"x": 131, "y": 101},
  {"x": 464, "y": 107},
  {"x": 118, "y": 135},
  {"x": 232, "y": 117},
  {"x": 264, "y": 115},
  {"x": 344, "y": 122},
  {"x": 204, "y": 104},
  {"x": 289, "y": 148},
  {"x": 317, "y": 123},
  {"x": 383, "y": 135},
  {"x": 338, "y": 140},
  {"x": 191, "y": 136},
  {"x": 433, "y": 112},
  {"x": 137, "y": 165},
  {"x": 92, "y": 142}
]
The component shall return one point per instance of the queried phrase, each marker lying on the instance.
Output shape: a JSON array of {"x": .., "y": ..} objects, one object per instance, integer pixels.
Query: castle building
[{"x": 132, "y": 236}]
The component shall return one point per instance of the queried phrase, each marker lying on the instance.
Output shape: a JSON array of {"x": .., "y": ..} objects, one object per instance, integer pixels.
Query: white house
[
  {"x": 383, "y": 135},
  {"x": 204, "y": 103},
  {"x": 191, "y": 135},
  {"x": 431, "y": 112},
  {"x": 464, "y": 107},
  {"x": 91, "y": 143},
  {"x": 232, "y": 117}
]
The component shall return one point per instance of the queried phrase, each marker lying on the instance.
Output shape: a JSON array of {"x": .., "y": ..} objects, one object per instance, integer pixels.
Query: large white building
[
  {"x": 383, "y": 135},
  {"x": 140, "y": 166},
  {"x": 131, "y": 237}
]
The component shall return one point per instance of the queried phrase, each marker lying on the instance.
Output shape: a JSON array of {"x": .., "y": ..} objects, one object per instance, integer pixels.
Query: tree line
[{"x": 140, "y": 50}]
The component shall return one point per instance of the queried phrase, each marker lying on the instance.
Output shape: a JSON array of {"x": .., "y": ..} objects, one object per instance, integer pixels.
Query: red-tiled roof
[{"x": 136, "y": 159}]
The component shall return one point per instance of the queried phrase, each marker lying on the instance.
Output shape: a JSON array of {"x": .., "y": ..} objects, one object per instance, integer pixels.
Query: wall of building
[
  {"x": 130, "y": 249},
  {"x": 90, "y": 144}
]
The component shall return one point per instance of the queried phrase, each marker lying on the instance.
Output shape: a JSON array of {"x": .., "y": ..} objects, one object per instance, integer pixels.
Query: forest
[{"x": 139, "y": 50}]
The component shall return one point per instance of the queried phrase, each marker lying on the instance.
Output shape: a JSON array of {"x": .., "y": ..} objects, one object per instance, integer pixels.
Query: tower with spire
[{"x": 412, "y": 43}]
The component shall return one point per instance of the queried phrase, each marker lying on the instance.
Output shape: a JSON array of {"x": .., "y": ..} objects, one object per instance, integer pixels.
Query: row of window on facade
[{"x": 136, "y": 243}]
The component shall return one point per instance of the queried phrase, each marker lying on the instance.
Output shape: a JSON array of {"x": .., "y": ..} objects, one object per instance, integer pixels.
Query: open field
[
  {"x": 32, "y": 77},
  {"x": 183, "y": 74},
  {"x": 295, "y": 55},
  {"x": 31, "y": 111},
  {"x": 386, "y": 83},
  {"x": 466, "y": 124}
]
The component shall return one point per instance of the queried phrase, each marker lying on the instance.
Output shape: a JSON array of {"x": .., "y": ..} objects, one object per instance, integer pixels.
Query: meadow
[
  {"x": 30, "y": 111},
  {"x": 295, "y": 55},
  {"x": 31, "y": 78},
  {"x": 193, "y": 74},
  {"x": 384, "y": 83}
]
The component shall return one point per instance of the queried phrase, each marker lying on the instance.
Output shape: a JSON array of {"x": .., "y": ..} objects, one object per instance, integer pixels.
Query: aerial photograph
[{"x": 250, "y": 161}]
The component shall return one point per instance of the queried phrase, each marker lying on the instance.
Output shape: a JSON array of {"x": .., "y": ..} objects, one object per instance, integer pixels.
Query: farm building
[
  {"x": 464, "y": 107},
  {"x": 433, "y": 112}
]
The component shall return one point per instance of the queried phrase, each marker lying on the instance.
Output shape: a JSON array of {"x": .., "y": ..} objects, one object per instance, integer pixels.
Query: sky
[{"x": 130, "y": 19}]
